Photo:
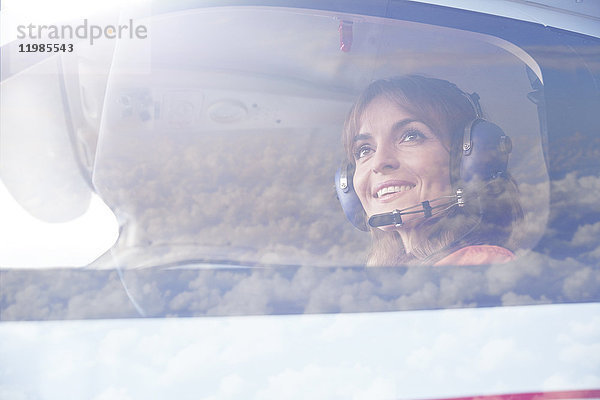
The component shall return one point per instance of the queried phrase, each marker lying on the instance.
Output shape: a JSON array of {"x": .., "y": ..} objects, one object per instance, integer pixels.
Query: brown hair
[{"x": 446, "y": 109}]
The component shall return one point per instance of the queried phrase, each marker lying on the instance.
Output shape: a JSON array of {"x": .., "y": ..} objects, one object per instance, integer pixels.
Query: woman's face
[{"x": 400, "y": 162}]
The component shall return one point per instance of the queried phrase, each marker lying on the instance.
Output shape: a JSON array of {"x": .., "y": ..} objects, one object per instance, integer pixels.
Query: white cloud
[
  {"x": 582, "y": 282},
  {"x": 112, "y": 393},
  {"x": 588, "y": 330},
  {"x": 496, "y": 352},
  {"x": 587, "y": 235},
  {"x": 501, "y": 278},
  {"x": 513, "y": 299},
  {"x": 231, "y": 386},
  {"x": 329, "y": 382},
  {"x": 533, "y": 279},
  {"x": 426, "y": 358},
  {"x": 582, "y": 354},
  {"x": 16, "y": 393},
  {"x": 577, "y": 194},
  {"x": 579, "y": 341},
  {"x": 371, "y": 355},
  {"x": 566, "y": 380}
]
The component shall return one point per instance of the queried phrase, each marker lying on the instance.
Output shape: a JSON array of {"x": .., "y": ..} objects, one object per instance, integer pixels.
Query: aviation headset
[{"x": 484, "y": 157}]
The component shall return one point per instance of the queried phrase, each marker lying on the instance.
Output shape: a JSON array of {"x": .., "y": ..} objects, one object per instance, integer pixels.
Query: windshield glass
[
  {"x": 238, "y": 148},
  {"x": 206, "y": 159}
]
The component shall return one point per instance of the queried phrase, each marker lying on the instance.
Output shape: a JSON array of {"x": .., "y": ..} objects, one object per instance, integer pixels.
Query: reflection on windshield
[
  {"x": 218, "y": 160},
  {"x": 203, "y": 159},
  {"x": 205, "y": 289}
]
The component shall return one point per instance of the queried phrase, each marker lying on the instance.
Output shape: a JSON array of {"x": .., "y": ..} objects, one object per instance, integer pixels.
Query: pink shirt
[{"x": 480, "y": 254}]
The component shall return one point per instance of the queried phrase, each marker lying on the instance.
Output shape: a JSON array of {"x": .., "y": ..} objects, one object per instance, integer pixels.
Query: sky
[{"x": 418, "y": 354}]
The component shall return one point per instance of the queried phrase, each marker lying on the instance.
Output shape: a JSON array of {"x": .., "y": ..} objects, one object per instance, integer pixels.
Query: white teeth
[{"x": 393, "y": 189}]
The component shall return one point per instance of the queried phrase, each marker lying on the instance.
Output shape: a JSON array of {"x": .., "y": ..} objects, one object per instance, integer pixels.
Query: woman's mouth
[{"x": 388, "y": 191}]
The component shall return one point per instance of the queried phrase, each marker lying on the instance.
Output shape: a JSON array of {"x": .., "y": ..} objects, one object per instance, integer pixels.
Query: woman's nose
[{"x": 385, "y": 160}]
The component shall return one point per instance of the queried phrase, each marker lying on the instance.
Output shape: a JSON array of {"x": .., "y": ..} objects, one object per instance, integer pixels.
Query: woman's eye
[
  {"x": 362, "y": 151},
  {"x": 411, "y": 136}
]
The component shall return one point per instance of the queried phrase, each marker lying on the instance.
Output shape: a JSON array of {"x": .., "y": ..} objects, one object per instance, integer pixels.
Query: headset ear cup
[
  {"x": 348, "y": 198},
  {"x": 487, "y": 156}
]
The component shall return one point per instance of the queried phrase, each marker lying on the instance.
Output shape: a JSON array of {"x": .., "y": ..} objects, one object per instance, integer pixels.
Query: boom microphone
[{"x": 429, "y": 208}]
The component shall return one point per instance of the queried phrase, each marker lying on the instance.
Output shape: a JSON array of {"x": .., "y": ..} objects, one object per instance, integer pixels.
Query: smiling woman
[{"x": 430, "y": 175}]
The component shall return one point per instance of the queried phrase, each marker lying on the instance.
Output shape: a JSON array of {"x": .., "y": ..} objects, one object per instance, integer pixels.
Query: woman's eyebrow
[
  {"x": 398, "y": 125},
  {"x": 362, "y": 136},
  {"x": 402, "y": 123}
]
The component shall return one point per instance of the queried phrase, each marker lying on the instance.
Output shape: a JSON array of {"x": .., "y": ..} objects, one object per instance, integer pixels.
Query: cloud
[
  {"x": 425, "y": 358},
  {"x": 272, "y": 199},
  {"x": 570, "y": 231},
  {"x": 16, "y": 393},
  {"x": 113, "y": 393},
  {"x": 513, "y": 299},
  {"x": 580, "y": 344},
  {"x": 221, "y": 290},
  {"x": 560, "y": 381},
  {"x": 63, "y": 294},
  {"x": 496, "y": 352},
  {"x": 501, "y": 278},
  {"x": 572, "y": 190},
  {"x": 582, "y": 354},
  {"x": 360, "y": 355},
  {"x": 587, "y": 235},
  {"x": 333, "y": 382},
  {"x": 583, "y": 282}
]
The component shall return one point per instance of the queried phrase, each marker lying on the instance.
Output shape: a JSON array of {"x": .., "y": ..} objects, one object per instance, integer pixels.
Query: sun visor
[{"x": 220, "y": 134}]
